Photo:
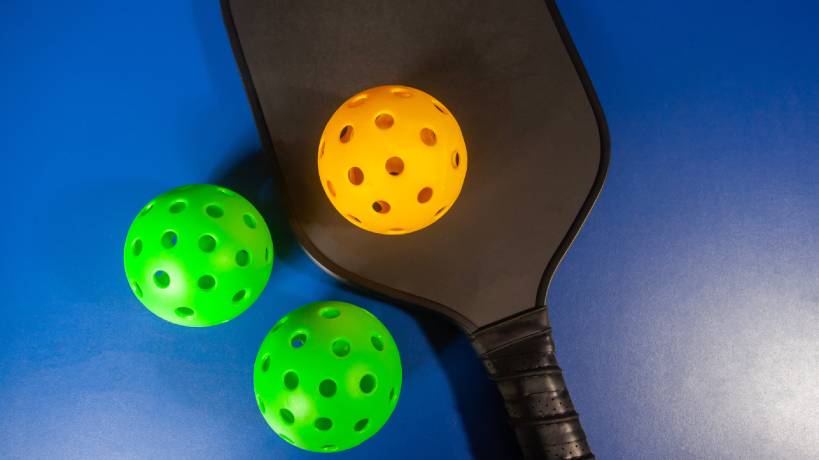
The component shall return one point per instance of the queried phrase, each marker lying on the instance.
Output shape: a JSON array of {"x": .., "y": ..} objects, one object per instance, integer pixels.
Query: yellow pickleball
[{"x": 392, "y": 160}]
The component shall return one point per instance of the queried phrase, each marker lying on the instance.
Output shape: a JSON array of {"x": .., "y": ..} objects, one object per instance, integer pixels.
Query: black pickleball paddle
[{"x": 538, "y": 155}]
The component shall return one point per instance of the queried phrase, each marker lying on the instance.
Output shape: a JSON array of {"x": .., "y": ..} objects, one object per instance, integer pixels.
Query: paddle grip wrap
[{"x": 520, "y": 357}]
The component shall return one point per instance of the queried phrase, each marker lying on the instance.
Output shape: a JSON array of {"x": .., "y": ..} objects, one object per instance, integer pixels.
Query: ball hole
[
  {"x": 329, "y": 448},
  {"x": 367, "y": 383},
  {"x": 327, "y": 388},
  {"x": 146, "y": 209},
  {"x": 241, "y": 294},
  {"x": 178, "y": 207},
  {"x": 214, "y": 210},
  {"x": 250, "y": 221},
  {"x": 392, "y": 394},
  {"x": 381, "y": 207},
  {"x": 438, "y": 213},
  {"x": 355, "y": 175},
  {"x": 425, "y": 195},
  {"x": 207, "y": 243},
  {"x": 265, "y": 362},
  {"x": 428, "y": 137},
  {"x": 439, "y": 108},
  {"x": 184, "y": 312},
  {"x": 168, "y": 239},
  {"x": 136, "y": 247},
  {"x": 206, "y": 282},
  {"x": 321, "y": 149},
  {"x": 384, "y": 121},
  {"x": 331, "y": 189},
  {"x": 287, "y": 416},
  {"x": 361, "y": 424},
  {"x": 162, "y": 279},
  {"x": 378, "y": 344},
  {"x": 267, "y": 254},
  {"x": 323, "y": 423},
  {"x": 341, "y": 348},
  {"x": 400, "y": 92},
  {"x": 137, "y": 290},
  {"x": 329, "y": 312},
  {"x": 350, "y": 216},
  {"x": 298, "y": 340},
  {"x": 396, "y": 229},
  {"x": 456, "y": 159},
  {"x": 357, "y": 101},
  {"x": 242, "y": 258},
  {"x": 291, "y": 380},
  {"x": 346, "y": 134},
  {"x": 394, "y": 166},
  {"x": 279, "y": 324}
]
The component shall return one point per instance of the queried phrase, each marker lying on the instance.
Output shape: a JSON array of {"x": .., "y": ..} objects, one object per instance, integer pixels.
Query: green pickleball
[
  {"x": 198, "y": 255},
  {"x": 327, "y": 376}
]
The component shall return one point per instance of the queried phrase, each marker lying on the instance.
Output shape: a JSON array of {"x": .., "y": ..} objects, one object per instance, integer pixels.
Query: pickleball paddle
[{"x": 538, "y": 155}]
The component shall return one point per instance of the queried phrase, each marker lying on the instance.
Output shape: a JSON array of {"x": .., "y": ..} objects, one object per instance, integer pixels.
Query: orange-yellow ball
[{"x": 392, "y": 160}]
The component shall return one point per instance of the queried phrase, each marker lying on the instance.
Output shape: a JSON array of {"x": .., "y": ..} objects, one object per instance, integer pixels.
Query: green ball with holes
[
  {"x": 198, "y": 255},
  {"x": 327, "y": 376}
]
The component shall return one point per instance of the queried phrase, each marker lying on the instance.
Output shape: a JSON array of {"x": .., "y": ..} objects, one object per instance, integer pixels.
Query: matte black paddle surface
[{"x": 537, "y": 150}]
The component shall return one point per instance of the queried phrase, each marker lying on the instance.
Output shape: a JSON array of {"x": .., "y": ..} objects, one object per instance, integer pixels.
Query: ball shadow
[{"x": 251, "y": 176}]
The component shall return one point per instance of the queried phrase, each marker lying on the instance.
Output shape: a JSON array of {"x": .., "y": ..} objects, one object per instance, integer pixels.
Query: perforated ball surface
[
  {"x": 392, "y": 159},
  {"x": 327, "y": 376},
  {"x": 198, "y": 255}
]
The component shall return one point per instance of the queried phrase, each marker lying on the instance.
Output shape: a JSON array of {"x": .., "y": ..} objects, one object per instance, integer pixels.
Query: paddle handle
[{"x": 520, "y": 357}]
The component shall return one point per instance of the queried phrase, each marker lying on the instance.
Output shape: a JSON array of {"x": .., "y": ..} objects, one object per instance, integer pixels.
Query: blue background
[{"x": 685, "y": 315}]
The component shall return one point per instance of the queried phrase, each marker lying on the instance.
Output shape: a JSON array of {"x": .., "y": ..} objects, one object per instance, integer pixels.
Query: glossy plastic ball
[
  {"x": 327, "y": 376},
  {"x": 198, "y": 255},
  {"x": 392, "y": 160}
]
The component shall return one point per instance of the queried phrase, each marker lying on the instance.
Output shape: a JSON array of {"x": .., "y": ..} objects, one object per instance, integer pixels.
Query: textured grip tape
[{"x": 520, "y": 357}]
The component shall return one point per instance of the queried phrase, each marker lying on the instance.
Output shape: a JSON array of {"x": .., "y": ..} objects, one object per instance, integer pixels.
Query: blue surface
[{"x": 685, "y": 315}]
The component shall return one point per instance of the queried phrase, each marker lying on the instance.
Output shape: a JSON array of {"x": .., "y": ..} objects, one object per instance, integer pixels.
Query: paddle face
[{"x": 536, "y": 139}]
